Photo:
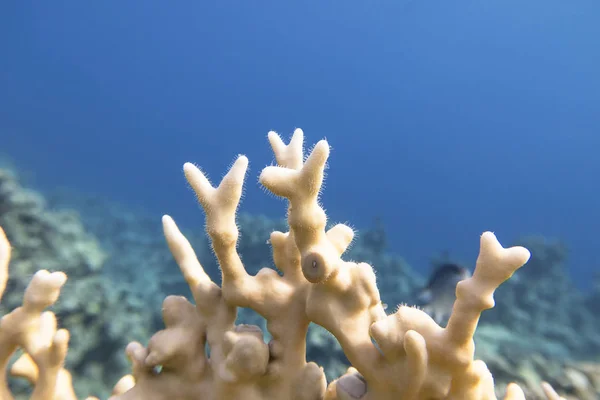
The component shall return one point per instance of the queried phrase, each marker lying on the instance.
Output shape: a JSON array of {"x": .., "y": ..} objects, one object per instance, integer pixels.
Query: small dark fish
[{"x": 438, "y": 296}]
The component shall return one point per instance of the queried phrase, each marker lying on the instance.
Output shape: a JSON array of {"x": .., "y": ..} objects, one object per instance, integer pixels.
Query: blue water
[{"x": 446, "y": 118}]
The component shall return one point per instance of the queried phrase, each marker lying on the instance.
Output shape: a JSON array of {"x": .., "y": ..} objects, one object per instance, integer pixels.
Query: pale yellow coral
[
  {"x": 35, "y": 331},
  {"x": 405, "y": 355},
  {"x": 414, "y": 357}
]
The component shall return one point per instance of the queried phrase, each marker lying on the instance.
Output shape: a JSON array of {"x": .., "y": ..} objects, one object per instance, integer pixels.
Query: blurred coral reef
[{"x": 542, "y": 329}]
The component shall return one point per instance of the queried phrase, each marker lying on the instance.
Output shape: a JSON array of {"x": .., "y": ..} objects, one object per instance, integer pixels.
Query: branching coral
[
  {"x": 413, "y": 357},
  {"x": 43, "y": 234},
  {"x": 35, "y": 331},
  {"x": 202, "y": 354}
]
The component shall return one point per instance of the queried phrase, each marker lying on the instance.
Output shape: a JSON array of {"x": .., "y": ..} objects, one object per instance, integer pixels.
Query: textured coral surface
[{"x": 202, "y": 354}]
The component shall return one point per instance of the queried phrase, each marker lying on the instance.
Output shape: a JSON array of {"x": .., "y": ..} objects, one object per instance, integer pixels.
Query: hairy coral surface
[{"x": 404, "y": 355}]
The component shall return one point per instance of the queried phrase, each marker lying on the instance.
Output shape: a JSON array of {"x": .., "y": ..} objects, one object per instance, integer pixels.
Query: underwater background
[{"x": 446, "y": 119}]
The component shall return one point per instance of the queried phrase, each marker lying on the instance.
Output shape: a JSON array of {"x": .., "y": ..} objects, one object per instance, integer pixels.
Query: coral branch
[
  {"x": 240, "y": 364},
  {"x": 349, "y": 289},
  {"x": 35, "y": 331},
  {"x": 306, "y": 218},
  {"x": 220, "y": 205},
  {"x": 5, "y": 251},
  {"x": 495, "y": 265},
  {"x": 291, "y": 155}
]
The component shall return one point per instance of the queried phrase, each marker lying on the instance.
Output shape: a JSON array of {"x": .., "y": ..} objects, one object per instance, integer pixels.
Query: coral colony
[{"x": 403, "y": 355}]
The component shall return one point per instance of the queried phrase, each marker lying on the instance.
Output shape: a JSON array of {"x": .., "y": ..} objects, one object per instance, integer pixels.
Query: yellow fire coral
[
  {"x": 202, "y": 354},
  {"x": 35, "y": 331}
]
